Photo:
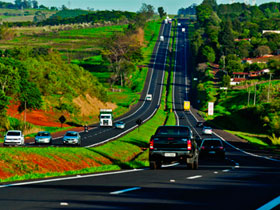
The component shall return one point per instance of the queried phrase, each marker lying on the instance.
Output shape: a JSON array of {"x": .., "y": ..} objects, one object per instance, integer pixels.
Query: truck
[
  {"x": 105, "y": 117},
  {"x": 187, "y": 106},
  {"x": 183, "y": 30},
  {"x": 173, "y": 144},
  {"x": 161, "y": 38}
]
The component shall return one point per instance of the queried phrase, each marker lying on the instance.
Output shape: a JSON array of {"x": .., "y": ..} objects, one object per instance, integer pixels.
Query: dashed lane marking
[
  {"x": 125, "y": 190},
  {"x": 194, "y": 177}
]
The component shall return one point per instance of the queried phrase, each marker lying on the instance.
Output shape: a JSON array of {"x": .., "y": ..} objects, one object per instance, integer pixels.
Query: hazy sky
[{"x": 171, "y": 6}]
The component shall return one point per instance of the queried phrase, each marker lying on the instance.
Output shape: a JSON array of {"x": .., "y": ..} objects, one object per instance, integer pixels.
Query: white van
[{"x": 161, "y": 38}]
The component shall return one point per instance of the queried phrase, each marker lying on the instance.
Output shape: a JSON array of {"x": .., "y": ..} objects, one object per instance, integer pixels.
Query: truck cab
[{"x": 106, "y": 117}]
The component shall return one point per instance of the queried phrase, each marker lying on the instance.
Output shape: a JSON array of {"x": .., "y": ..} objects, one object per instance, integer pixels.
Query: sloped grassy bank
[{"x": 130, "y": 151}]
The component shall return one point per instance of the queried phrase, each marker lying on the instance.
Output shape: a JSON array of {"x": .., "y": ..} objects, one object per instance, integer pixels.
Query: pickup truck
[{"x": 173, "y": 144}]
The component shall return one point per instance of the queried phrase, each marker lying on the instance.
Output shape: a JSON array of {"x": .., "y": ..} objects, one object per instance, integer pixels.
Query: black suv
[
  {"x": 173, "y": 143},
  {"x": 212, "y": 147}
]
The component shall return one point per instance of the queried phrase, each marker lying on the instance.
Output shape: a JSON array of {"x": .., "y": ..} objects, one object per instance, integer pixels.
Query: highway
[{"x": 241, "y": 181}]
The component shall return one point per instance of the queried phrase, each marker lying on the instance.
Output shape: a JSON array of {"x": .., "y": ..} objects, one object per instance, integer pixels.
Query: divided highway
[{"x": 241, "y": 181}]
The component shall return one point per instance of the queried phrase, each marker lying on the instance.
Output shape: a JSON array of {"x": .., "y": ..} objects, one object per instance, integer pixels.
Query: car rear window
[
  {"x": 173, "y": 131},
  {"x": 13, "y": 133},
  {"x": 43, "y": 134},
  {"x": 212, "y": 143},
  {"x": 71, "y": 134}
]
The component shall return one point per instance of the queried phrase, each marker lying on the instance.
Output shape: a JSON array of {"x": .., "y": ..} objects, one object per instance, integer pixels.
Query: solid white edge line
[
  {"x": 69, "y": 178},
  {"x": 174, "y": 72},
  {"x": 247, "y": 153},
  {"x": 270, "y": 205},
  {"x": 125, "y": 190}
]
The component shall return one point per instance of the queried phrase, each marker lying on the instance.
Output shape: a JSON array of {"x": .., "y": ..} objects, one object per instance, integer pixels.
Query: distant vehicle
[
  {"x": 161, "y": 38},
  {"x": 207, "y": 130},
  {"x": 199, "y": 124},
  {"x": 149, "y": 97},
  {"x": 14, "y": 137},
  {"x": 183, "y": 29},
  {"x": 43, "y": 137},
  {"x": 187, "y": 105},
  {"x": 72, "y": 137},
  {"x": 173, "y": 144},
  {"x": 212, "y": 147},
  {"x": 106, "y": 117},
  {"x": 179, "y": 24},
  {"x": 120, "y": 125}
]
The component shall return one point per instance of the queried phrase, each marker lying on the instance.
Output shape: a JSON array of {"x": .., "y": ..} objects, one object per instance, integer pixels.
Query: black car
[{"x": 212, "y": 147}]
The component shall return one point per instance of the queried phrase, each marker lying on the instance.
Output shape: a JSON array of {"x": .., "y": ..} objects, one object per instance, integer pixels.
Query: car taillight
[
  {"x": 170, "y": 138},
  {"x": 202, "y": 147},
  {"x": 189, "y": 144},
  {"x": 151, "y": 144},
  {"x": 221, "y": 147}
]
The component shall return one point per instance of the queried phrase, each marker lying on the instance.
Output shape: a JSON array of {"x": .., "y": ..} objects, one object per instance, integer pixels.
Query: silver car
[
  {"x": 72, "y": 137},
  {"x": 43, "y": 137}
]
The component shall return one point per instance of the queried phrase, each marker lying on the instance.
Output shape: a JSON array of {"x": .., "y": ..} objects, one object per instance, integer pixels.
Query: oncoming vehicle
[
  {"x": 149, "y": 97},
  {"x": 173, "y": 144},
  {"x": 207, "y": 130},
  {"x": 213, "y": 147},
  {"x": 72, "y": 137},
  {"x": 14, "y": 137},
  {"x": 43, "y": 137},
  {"x": 120, "y": 125}
]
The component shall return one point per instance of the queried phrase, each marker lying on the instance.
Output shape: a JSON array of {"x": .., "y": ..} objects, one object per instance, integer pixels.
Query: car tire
[{"x": 155, "y": 165}]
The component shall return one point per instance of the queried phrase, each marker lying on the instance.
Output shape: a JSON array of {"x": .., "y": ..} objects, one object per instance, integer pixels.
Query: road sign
[{"x": 210, "y": 108}]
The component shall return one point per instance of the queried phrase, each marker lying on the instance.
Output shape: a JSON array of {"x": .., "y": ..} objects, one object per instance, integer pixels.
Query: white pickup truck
[{"x": 14, "y": 137}]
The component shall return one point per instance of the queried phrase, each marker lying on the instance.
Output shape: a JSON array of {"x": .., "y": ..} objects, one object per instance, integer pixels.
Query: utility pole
[
  {"x": 269, "y": 87},
  {"x": 255, "y": 94}
]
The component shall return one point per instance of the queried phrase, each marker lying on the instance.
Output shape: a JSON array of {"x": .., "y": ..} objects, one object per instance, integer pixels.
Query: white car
[
  {"x": 149, "y": 97},
  {"x": 14, "y": 137},
  {"x": 120, "y": 125},
  {"x": 207, "y": 130}
]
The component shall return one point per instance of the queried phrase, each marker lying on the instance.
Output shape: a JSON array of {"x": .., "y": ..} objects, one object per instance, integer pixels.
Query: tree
[
  {"x": 226, "y": 81},
  {"x": 35, "y": 4},
  {"x": 226, "y": 38},
  {"x": 261, "y": 51},
  {"x": 161, "y": 12},
  {"x": 18, "y": 4},
  {"x": 30, "y": 96},
  {"x": 39, "y": 17},
  {"x": 208, "y": 54}
]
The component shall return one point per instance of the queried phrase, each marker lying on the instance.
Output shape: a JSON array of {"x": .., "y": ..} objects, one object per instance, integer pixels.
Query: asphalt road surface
[{"x": 241, "y": 181}]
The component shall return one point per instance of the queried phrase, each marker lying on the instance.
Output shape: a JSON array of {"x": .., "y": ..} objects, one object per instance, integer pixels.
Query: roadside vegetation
[{"x": 227, "y": 41}]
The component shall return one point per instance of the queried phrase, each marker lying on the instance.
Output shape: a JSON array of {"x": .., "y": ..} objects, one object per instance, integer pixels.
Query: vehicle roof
[
  {"x": 14, "y": 131},
  {"x": 43, "y": 132},
  {"x": 175, "y": 126},
  {"x": 71, "y": 132}
]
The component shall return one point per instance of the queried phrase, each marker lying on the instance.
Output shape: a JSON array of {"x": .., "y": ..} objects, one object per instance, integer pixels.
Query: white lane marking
[
  {"x": 227, "y": 170},
  {"x": 270, "y": 205},
  {"x": 64, "y": 204},
  {"x": 216, "y": 172},
  {"x": 172, "y": 180},
  {"x": 170, "y": 165},
  {"x": 247, "y": 153},
  {"x": 174, "y": 72},
  {"x": 69, "y": 178},
  {"x": 194, "y": 177},
  {"x": 125, "y": 190}
]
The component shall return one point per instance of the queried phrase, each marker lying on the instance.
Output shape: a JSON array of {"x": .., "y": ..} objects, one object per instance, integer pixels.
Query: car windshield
[
  {"x": 212, "y": 143},
  {"x": 71, "y": 134},
  {"x": 13, "y": 133},
  {"x": 177, "y": 131},
  {"x": 43, "y": 134}
]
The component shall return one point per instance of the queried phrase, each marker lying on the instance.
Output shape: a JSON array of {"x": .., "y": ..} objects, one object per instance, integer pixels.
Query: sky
[{"x": 171, "y": 6}]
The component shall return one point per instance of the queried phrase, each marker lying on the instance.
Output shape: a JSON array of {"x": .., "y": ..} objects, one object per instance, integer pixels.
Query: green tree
[
  {"x": 226, "y": 38},
  {"x": 161, "y": 12},
  {"x": 261, "y": 51},
  {"x": 208, "y": 54},
  {"x": 226, "y": 81},
  {"x": 39, "y": 17}
]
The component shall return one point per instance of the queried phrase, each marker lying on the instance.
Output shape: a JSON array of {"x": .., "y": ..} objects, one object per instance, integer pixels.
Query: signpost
[{"x": 210, "y": 108}]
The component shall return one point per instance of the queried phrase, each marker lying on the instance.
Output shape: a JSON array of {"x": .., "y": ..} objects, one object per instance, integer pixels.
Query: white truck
[
  {"x": 161, "y": 38},
  {"x": 105, "y": 117}
]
